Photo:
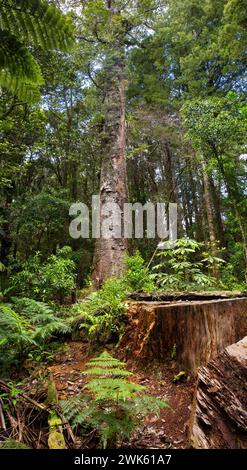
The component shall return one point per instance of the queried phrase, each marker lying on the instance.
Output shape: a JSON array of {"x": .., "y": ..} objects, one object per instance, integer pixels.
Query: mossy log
[
  {"x": 194, "y": 332},
  {"x": 219, "y": 412}
]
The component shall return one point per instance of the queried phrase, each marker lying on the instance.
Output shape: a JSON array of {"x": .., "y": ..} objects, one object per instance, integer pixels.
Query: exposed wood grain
[
  {"x": 219, "y": 412},
  {"x": 198, "y": 331}
]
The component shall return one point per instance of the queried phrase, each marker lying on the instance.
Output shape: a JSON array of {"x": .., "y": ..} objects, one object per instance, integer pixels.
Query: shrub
[
  {"x": 15, "y": 337},
  {"x": 53, "y": 280},
  {"x": 138, "y": 277},
  {"x": 111, "y": 404},
  {"x": 101, "y": 313},
  {"x": 45, "y": 322},
  {"x": 26, "y": 327},
  {"x": 182, "y": 266}
]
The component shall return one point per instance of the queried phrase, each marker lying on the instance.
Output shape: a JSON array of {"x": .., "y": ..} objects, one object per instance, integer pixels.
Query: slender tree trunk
[
  {"x": 233, "y": 192},
  {"x": 109, "y": 253},
  {"x": 210, "y": 218},
  {"x": 218, "y": 212}
]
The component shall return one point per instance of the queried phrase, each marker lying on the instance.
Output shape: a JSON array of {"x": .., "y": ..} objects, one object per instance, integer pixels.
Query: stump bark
[
  {"x": 194, "y": 332},
  {"x": 219, "y": 412}
]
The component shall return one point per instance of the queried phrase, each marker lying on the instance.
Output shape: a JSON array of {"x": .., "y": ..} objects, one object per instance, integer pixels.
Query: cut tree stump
[
  {"x": 175, "y": 296},
  {"x": 192, "y": 332},
  {"x": 219, "y": 411}
]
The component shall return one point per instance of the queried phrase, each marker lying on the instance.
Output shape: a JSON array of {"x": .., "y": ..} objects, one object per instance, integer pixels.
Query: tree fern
[{"x": 23, "y": 23}]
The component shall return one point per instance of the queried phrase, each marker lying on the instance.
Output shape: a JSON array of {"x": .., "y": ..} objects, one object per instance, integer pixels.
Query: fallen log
[{"x": 219, "y": 411}]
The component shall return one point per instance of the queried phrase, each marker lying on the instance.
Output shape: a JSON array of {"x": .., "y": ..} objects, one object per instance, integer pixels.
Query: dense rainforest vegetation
[{"x": 134, "y": 101}]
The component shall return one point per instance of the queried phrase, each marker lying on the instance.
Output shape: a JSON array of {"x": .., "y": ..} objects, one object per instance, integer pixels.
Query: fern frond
[
  {"x": 107, "y": 372},
  {"x": 10, "y": 319},
  {"x": 19, "y": 71},
  {"x": 38, "y": 22},
  {"x": 29, "y": 22},
  {"x": 112, "y": 389},
  {"x": 46, "y": 332},
  {"x": 14, "y": 330},
  {"x": 113, "y": 406},
  {"x": 38, "y": 313},
  {"x": 105, "y": 360}
]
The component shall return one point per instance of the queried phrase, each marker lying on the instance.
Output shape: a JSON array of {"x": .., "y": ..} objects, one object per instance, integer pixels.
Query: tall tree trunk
[
  {"x": 235, "y": 196},
  {"x": 109, "y": 253},
  {"x": 218, "y": 212},
  {"x": 210, "y": 218}
]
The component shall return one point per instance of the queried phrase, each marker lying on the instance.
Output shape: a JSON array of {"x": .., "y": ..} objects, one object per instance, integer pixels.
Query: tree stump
[
  {"x": 191, "y": 332},
  {"x": 219, "y": 412}
]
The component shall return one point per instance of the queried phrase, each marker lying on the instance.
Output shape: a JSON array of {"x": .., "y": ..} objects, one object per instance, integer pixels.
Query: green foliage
[
  {"x": 41, "y": 217},
  {"x": 26, "y": 329},
  {"x": 101, "y": 313},
  {"x": 174, "y": 352},
  {"x": 35, "y": 22},
  {"x": 59, "y": 274},
  {"x": 216, "y": 123},
  {"x": 15, "y": 336},
  {"x": 110, "y": 404},
  {"x": 53, "y": 280},
  {"x": 233, "y": 36},
  {"x": 13, "y": 444},
  {"x": 42, "y": 318},
  {"x": 233, "y": 271},
  {"x": 137, "y": 275},
  {"x": 182, "y": 266},
  {"x": 179, "y": 377}
]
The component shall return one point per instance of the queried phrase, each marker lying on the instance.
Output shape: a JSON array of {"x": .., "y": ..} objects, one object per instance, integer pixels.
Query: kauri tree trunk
[{"x": 109, "y": 253}]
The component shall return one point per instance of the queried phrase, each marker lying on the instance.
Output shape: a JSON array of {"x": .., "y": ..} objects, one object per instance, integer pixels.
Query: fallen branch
[
  {"x": 2, "y": 420},
  {"x": 40, "y": 406}
]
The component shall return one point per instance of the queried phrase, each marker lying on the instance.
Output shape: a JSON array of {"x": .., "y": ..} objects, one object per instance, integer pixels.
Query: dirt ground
[{"x": 170, "y": 430}]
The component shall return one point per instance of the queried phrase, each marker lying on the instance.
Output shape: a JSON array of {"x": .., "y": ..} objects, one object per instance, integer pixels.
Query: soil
[{"x": 169, "y": 430}]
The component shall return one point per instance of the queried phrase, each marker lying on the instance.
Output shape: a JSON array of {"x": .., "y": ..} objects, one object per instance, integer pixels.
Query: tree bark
[
  {"x": 219, "y": 418},
  {"x": 235, "y": 197},
  {"x": 109, "y": 253},
  {"x": 198, "y": 330},
  {"x": 210, "y": 218}
]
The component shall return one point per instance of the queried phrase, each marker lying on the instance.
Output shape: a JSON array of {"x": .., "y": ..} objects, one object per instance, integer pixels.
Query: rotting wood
[{"x": 219, "y": 411}]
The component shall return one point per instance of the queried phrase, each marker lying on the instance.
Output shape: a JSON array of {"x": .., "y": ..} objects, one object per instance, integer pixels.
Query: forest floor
[{"x": 169, "y": 430}]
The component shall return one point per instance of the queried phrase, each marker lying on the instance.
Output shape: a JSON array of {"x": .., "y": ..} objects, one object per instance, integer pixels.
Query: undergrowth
[
  {"x": 110, "y": 404},
  {"x": 101, "y": 314},
  {"x": 27, "y": 328}
]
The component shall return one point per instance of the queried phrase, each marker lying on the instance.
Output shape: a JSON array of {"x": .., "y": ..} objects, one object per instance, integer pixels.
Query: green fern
[
  {"x": 113, "y": 405},
  {"x": 26, "y": 327},
  {"x": 41, "y": 316},
  {"x": 15, "y": 336},
  {"x": 23, "y": 23},
  {"x": 102, "y": 313},
  {"x": 106, "y": 361}
]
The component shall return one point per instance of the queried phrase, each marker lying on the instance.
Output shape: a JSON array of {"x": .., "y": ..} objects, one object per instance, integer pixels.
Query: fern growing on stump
[
  {"x": 25, "y": 23},
  {"x": 110, "y": 403}
]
